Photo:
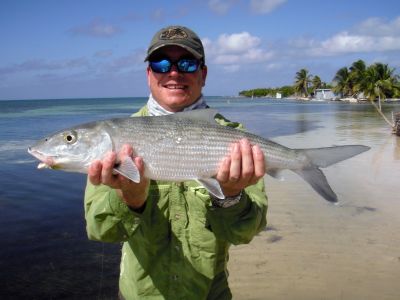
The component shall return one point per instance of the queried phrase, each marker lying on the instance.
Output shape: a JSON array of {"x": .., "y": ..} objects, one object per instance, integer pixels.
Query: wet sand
[{"x": 315, "y": 250}]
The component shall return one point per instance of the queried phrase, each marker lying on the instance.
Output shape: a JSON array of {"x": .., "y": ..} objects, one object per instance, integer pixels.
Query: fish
[{"x": 179, "y": 147}]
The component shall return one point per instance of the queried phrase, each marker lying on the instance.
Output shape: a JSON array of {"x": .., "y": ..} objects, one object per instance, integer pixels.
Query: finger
[
  {"x": 139, "y": 164},
  {"x": 107, "y": 176},
  {"x": 236, "y": 163},
  {"x": 247, "y": 160},
  {"x": 126, "y": 150},
  {"x": 223, "y": 171},
  {"x": 259, "y": 163},
  {"x": 94, "y": 172}
]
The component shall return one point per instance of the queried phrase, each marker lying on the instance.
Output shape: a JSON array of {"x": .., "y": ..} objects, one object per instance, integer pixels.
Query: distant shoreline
[
  {"x": 306, "y": 99},
  {"x": 293, "y": 98}
]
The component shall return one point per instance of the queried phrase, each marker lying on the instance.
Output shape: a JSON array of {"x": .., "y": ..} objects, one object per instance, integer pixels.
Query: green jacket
[{"x": 177, "y": 248}]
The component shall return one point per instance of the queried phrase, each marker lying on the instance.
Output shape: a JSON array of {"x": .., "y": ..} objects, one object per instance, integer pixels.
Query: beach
[
  {"x": 315, "y": 250},
  {"x": 311, "y": 249}
]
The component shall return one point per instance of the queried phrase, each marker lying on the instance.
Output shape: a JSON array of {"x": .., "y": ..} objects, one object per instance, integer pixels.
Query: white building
[{"x": 324, "y": 94}]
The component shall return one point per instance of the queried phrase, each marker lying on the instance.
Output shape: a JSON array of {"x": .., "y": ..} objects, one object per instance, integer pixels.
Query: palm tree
[
  {"x": 357, "y": 76},
  {"x": 380, "y": 82},
  {"x": 316, "y": 82},
  {"x": 303, "y": 79},
  {"x": 343, "y": 83}
]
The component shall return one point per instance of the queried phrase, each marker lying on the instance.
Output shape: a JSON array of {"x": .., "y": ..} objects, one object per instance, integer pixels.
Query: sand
[{"x": 314, "y": 250}]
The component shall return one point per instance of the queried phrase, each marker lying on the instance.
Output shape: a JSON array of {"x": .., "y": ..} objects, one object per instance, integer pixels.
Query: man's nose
[{"x": 174, "y": 70}]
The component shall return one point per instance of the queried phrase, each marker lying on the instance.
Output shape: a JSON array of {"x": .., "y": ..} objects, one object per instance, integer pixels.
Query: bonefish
[{"x": 179, "y": 147}]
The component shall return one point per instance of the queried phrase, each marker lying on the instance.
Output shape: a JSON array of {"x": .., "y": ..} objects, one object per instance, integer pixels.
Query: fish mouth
[{"x": 47, "y": 162}]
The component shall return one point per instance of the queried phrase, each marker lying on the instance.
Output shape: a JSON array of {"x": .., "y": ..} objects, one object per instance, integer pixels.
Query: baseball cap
[{"x": 178, "y": 36}]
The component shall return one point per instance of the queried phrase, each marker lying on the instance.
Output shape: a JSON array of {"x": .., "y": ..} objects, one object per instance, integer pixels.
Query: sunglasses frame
[{"x": 153, "y": 67}]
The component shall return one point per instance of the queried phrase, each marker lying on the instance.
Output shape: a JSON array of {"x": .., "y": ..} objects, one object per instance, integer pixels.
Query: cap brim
[{"x": 195, "y": 53}]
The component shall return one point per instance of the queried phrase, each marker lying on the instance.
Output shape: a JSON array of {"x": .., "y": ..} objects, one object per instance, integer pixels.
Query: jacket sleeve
[
  {"x": 239, "y": 223},
  {"x": 108, "y": 219}
]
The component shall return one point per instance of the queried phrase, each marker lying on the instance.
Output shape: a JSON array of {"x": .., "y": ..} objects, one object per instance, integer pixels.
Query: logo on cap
[{"x": 173, "y": 33}]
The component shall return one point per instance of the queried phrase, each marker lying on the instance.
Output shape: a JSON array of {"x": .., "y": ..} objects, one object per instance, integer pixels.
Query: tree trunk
[
  {"x": 382, "y": 115},
  {"x": 379, "y": 102},
  {"x": 396, "y": 128}
]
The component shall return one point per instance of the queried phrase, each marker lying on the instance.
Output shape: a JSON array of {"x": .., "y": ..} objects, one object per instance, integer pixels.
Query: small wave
[
  {"x": 15, "y": 145},
  {"x": 23, "y": 161}
]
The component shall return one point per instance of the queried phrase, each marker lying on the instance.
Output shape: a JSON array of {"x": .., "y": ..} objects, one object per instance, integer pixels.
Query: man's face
[{"x": 175, "y": 90}]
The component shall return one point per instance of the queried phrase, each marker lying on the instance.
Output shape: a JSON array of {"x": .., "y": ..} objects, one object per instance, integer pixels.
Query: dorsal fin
[{"x": 203, "y": 115}]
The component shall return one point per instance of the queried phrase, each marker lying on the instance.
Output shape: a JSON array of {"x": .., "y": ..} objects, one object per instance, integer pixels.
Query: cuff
[
  {"x": 227, "y": 202},
  {"x": 233, "y": 210}
]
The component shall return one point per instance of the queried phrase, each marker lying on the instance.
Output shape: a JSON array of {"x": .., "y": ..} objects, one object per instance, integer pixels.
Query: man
[{"x": 175, "y": 235}]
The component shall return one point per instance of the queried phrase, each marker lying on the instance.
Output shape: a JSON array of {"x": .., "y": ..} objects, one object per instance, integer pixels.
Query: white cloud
[
  {"x": 96, "y": 28},
  {"x": 237, "y": 42},
  {"x": 345, "y": 42},
  {"x": 158, "y": 15},
  {"x": 257, "y": 55},
  {"x": 220, "y": 6},
  {"x": 231, "y": 68},
  {"x": 372, "y": 35},
  {"x": 103, "y": 53},
  {"x": 235, "y": 50},
  {"x": 39, "y": 65},
  {"x": 93, "y": 66},
  {"x": 265, "y": 6},
  {"x": 131, "y": 61},
  {"x": 377, "y": 27}
]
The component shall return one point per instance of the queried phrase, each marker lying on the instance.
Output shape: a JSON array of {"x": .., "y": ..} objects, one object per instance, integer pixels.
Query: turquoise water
[{"x": 44, "y": 251}]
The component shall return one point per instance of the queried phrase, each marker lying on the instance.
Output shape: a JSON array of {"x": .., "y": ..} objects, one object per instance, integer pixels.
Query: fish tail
[
  {"x": 316, "y": 178},
  {"x": 324, "y": 157}
]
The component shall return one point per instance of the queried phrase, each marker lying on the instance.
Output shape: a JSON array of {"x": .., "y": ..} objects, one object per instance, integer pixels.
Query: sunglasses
[{"x": 184, "y": 65}]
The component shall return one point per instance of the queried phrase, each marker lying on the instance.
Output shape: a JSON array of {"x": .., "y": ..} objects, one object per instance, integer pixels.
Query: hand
[
  {"x": 101, "y": 172},
  {"x": 243, "y": 167}
]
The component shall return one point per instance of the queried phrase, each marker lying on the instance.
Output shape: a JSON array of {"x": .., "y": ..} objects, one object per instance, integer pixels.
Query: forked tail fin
[
  {"x": 324, "y": 157},
  {"x": 316, "y": 178}
]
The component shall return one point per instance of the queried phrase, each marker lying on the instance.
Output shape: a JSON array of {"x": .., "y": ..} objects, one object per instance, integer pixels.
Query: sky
[{"x": 95, "y": 48}]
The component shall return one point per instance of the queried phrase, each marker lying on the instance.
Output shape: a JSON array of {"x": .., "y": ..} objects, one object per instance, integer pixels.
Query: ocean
[{"x": 44, "y": 250}]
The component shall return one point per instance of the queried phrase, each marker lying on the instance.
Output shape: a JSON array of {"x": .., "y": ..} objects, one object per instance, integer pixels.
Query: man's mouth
[{"x": 175, "y": 86}]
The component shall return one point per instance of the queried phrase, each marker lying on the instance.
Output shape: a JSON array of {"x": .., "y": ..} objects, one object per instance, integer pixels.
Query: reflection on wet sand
[
  {"x": 396, "y": 148},
  {"x": 314, "y": 250}
]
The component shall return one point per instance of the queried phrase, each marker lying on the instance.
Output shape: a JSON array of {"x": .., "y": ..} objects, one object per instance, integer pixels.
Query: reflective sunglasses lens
[
  {"x": 162, "y": 66},
  {"x": 188, "y": 65},
  {"x": 184, "y": 65}
]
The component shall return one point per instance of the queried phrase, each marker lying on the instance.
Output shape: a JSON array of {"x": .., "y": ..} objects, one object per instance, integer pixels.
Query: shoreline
[
  {"x": 313, "y": 250},
  {"x": 344, "y": 100}
]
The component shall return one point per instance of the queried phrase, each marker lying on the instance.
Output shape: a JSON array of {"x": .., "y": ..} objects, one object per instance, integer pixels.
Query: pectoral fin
[
  {"x": 212, "y": 185},
  {"x": 128, "y": 169}
]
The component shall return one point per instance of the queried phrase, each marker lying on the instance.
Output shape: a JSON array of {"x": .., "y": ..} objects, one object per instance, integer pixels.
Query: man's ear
[
  {"x": 204, "y": 74},
  {"x": 148, "y": 71}
]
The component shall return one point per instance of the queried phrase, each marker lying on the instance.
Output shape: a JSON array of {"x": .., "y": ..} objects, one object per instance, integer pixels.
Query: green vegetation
[
  {"x": 303, "y": 80},
  {"x": 375, "y": 82},
  {"x": 305, "y": 85},
  {"x": 286, "y": 91}
]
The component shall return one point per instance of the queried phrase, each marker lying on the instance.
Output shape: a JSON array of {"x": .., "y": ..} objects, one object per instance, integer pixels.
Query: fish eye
[{"x": 70, "y": 137}]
